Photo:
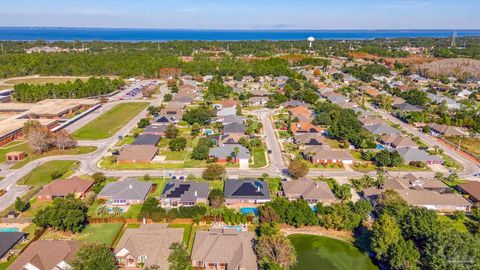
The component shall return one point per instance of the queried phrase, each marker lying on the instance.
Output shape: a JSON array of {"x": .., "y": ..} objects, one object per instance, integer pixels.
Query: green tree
[
  {"x": 94, "y": 256},
  {"x": 199, "y": 115},
  {"x": 177, "y": 144},
  {"x": 66, "y": 214},
  {"x": 385, "y": 234},
  {"x": 214, "y": 172},
  {"x": 276, "y": 250},
  {"x": 216, "y": 198},
  {"x": 172, "y": 131},
  {"x": 403, "y": 255},
  {"x": 20, "y": 205},
  {"x": 143, "y": 123},
  {"x": 298, "y": 168},
  {"x": 178, "y": 258},
  {"x": 99, "y": 177},
  {"x": 200, "y": 152}
]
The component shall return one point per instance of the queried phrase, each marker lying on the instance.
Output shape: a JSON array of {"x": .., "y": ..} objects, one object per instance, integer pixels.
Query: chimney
[
  {"x": 196, "y": 193},
  {"x": 316, "y": 185},
  {"x": 258, "y": 188},
  {"x": 130, "y": 186}
]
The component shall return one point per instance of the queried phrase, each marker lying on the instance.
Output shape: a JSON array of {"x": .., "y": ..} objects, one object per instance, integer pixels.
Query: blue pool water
[
  {"x": 238, "y": 228},
  {"x": 249, "y": 210},
  {"x": 380, "y": 147},
  {"x": 12, "y": 229}
]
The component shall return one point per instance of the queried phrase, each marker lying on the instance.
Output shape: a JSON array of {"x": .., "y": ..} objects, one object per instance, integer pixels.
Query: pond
[{"x": 318, "y": 252}]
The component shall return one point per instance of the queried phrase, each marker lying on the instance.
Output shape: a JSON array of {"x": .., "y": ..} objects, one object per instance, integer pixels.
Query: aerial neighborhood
[{"x": 217, "y": 155}]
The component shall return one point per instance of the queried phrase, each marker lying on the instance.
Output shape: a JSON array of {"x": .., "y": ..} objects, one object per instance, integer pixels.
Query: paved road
[{"x": 469, "y": 167}]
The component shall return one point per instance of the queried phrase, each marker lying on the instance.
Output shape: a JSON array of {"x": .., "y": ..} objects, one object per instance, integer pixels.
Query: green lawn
[
  {"x": 100, "y": 233},
  {"x": 43, "y": 174},
  {"x": 159, "y": 185},
  {"x": 110, "y": 122},
  {"x": 22, "y": 146},
  {"x": 133, "y": 211},
  {"x": 174, "y": 155},
  {"x": 35, "y": 206},
  {"x": 259, "y": 159},
  {"x": 459, "y": 225}
]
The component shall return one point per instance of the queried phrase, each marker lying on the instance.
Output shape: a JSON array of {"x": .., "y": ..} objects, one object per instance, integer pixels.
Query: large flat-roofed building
[
  {"x": 47, "y": 108},
  {"x": 12, "y": 129}
]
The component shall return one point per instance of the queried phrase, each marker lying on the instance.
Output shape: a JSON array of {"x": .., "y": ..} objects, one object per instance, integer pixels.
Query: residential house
[
  {"x": 311, "y": 191},
  {"x": 382, "y": 129},
  {"x": 230, "y": 119},
  {"x": 158, "y": 130},
  {"x": 294, "y": 103},
  {"x": 234, "y": 128},
  {"x": 222, "y": 249},
  {"x": 308, "y": 139},
  {"x": 444, "y": 130},
  {"x": 371, "y": 120},
  {"x": 406, "y": 108},
  {"x": 250, "y": 191},
  {"x": 177, "y": 193},
  {"x": 227, "y": 111},
  {"x": 440, "y": 99},
  {"x": 398, "y": 101},
  {"x": 126, "y": 192},
  {"x": 146, "y": 139},
  {"x": 419, "y": 195},
  {"x": 222, "y": 154},
  {"x": 258, "y": 101},
  {"x": 302, "y": 113},
  {"x": 471, "y": 189},
  {"x": 47, "y": 255},
  {"x": 326, "y": 155},
  {"x": 137, "y": 154},
  {"x": 8, "y": 240},
  {"x": 410, "y": 154},
  {"x": 61, "y": 188},
  {"x": 182, "y": 98},
  {"x": 304, "y": 127},
  {"x": 397, "y": 141},
  {"x": 146, "y": 246}
]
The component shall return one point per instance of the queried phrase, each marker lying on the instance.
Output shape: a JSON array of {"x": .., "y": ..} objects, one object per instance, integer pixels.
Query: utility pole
[
  {"x": 1, "y": 45},
  {"x": 454, "y": 39}
]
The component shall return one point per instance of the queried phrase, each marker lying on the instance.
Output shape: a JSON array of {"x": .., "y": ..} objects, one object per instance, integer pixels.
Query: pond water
[{"x": 318, "y": 252}]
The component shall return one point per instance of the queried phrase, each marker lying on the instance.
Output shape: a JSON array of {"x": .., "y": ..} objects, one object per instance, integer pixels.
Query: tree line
[{"x": 31, "y": 93}]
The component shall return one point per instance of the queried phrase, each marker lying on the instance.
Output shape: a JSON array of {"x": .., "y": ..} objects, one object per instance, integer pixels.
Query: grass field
[
  {"x": 259, "y": 158},
  {"x": 467, "y": 144},
  {"x": 35, "y": 206},
  {"x": 100, "y": 233},
  {"x": 110, "y": 122},
  {"x": 42, "y": 80},
  {"x": 42, "y": 174},
  {"x": 22, "y": 146}
]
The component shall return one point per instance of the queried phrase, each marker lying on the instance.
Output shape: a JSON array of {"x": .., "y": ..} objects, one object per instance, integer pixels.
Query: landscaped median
[{"x": 110, "y": 122}]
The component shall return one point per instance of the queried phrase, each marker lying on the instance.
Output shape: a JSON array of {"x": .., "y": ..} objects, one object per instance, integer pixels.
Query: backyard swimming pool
[
  {"x": 9, "y": 229},
  {"x": 249, "y": 210}
]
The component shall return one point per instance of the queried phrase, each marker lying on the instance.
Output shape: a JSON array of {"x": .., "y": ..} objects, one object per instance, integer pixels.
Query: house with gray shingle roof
[
  {"x": 147, "y": 246},
  {"x": 222, "y": 153},
  {"x": 410, "y": 154},
  {"x": 382, "y": 129},
  {"x": 224, "y": 249},
  {"x": 179, "y": 193},
  {"x": 8, "y": 240},
  {"x": 406, "y": 107},
  {"x": 126, "y": 192},
  {"x": 311, "y": 191}
]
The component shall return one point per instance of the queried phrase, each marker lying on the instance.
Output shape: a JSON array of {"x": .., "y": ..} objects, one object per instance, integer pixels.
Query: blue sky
[{"x": 244, "y": 14}]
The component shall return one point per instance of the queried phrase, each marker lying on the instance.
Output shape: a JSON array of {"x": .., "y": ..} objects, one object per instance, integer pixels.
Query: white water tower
[{"x": 311, "y": 40}]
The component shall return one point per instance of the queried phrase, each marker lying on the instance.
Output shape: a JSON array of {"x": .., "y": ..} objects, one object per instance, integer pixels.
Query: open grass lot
[
  {"x": 22, "y": 146},
  {"x": 174, "y": 155},
  {"x": 467, "y": 144},
  {"x": 35, "y": 206},
  {"x": 259, "y": 158},
  {"x": 100, "y": 233},
  {"x": 42, "y": 174},
  {"x": 43, "y": 80},
  {"x": 110, "y": 122}
]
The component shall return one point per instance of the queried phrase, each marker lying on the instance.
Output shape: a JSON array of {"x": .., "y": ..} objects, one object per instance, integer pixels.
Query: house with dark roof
[
  {"x": 61, "y": 188},
  {"x": 234, "y": 128},
  {"x": 382, "y": 129},
  {"x": 406, "y": 107},
  {"x": 158, "y": 130},
  {"x": 308, "y": 139},
  {"x": 311, "y": 191},
  {"x": 146, "y": 139},
  {"x": 8, "y": 240},
  {"x": 179, "y": 193},
  {"x": 126, "y": 192},
  {"x": 219, "y": 249},
  {"x": 146, "y": 246},
  {"x": 47, "y": 255},
  {"x": 444, "y": 130},
  {"x": 251, "y": 191}
]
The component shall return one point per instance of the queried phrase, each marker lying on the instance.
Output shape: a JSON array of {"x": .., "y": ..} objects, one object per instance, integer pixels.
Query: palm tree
[
  {"x": 116, "y": 210},
  {"x": 102, "y": 210},
  {"x": 235, "y": 152}
]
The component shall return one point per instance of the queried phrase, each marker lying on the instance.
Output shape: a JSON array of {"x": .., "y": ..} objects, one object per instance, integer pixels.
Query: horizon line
[{"x": 241, "y": 29}]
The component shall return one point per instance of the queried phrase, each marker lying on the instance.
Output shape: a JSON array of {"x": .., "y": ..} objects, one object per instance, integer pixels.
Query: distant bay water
[{"x": 118, "y": 34}]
